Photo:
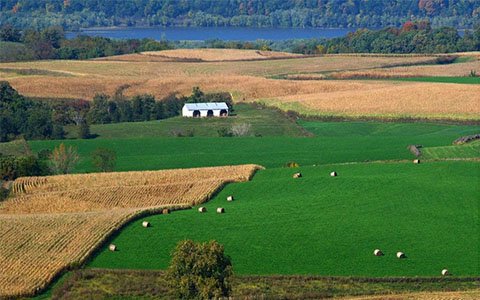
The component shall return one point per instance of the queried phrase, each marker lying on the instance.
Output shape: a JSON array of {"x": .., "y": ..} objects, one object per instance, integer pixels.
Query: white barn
[{"x": 199, "y": 110}]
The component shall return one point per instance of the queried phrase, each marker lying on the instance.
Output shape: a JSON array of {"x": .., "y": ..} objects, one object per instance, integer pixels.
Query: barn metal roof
[{"x": 206, "y": 106}]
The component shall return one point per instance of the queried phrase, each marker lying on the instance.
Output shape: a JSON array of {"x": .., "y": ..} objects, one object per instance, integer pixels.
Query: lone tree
[
  {"x": 63, "y": 159},
  {"x": 104, "y": 159},
  {"x": 199, "y": 271}
]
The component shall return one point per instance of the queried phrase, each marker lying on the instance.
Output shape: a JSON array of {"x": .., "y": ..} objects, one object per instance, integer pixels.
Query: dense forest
[{"x": 75, "y": 14}]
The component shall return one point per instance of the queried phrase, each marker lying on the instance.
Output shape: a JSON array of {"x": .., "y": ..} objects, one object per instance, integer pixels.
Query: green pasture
[
  {"x": 334, "y": 142},
  {"x": 326, "y": 225}
]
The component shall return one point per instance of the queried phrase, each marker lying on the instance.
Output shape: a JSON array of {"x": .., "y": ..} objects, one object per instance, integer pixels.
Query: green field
[
  {"x": 469, "y": 150},
  {"x": 316, "y": 225},
  {"x": 334, "y": 142},
  {"x": 328, "y": 226},
  {"x": 263, "y": 121},
  {"x": 463, "y": 80}
]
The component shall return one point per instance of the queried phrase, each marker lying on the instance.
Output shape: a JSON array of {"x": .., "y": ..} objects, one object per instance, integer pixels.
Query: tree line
[
  {"x": 45, "y": 119},
  {"x": 411, "y": 37},
  {"x": 75, "y": 14},
  {"x": 51, "y": 43}
]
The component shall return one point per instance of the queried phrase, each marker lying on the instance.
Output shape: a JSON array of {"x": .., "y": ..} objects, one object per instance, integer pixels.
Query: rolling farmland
[
  {"x": 255, "y": 81},
  {"x": 54, "y": 222},
  {"x": 314, "y": 225},
  {"x": 322, "y": 225}
]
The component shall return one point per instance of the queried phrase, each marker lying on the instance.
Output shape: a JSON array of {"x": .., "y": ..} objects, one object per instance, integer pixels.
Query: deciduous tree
[
  {"x": 63, "y": 159},
  {"x": 199, "y": 271}
]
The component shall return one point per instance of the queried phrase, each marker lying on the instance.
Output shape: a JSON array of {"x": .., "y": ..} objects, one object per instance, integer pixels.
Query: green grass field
[
  {"x": 334, "y": 142},
  {"x": 463, "y": 80},
  {"x": 316, "y": 225},
  {"x": 263, "y": 121},
  {"x": 328, "y": 225},
  {"x": 469, "y": 150}
]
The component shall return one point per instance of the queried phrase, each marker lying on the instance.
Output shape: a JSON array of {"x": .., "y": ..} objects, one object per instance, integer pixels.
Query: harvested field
[
  {"x": 35, "y": 248},
  {"x": 53, "y": 222},
  {"x": 220, "y": 54}
]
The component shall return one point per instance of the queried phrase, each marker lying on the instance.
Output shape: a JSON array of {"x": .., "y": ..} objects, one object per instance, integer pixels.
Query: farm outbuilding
[{"x": 200, "y": 110}]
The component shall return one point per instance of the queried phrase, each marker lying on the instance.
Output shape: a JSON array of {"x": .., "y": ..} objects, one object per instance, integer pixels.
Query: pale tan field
[
  {"x": 53, "y": 222},
  {"x": 220, "y": 54},
  {"x": 258, "y": 81},
  {"x": 460, "y": 69},
  {"x": 437, "y": 100}
]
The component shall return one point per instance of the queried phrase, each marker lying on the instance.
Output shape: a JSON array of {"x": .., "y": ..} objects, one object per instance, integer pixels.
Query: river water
[{"x": 210, "y": 33}]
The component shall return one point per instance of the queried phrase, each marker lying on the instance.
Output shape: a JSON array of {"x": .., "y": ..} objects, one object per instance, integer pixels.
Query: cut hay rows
[
  {"x": 73, "y": 182},
  {"x": 47, "y": 226},
  {"x": 34, "y": 249},
  {"x": 101, "y": 198}
]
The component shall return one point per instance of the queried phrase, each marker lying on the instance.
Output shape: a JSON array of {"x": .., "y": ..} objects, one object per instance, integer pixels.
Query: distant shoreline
[
  {"x": 122, "y": 27},
  {"x": 226, "y": 33}
]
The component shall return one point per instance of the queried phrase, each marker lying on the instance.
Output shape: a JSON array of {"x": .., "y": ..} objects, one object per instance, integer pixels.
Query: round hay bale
[
  {"x": 165, "y": 211},
  {"x": 230, "y": 198},
  {"x": 145, "y": 224},
  {"x": 220, "y": 210},
  {"x": 297, "y": 175},
  {"x": 401, "y": 255},
  {"x": 112, "y": 247},
  {"x": 378, "y": 252},
  {"x": 416, "y": 161},
  {"x": 202, "y": 209},
  {"x": 445, "y": 272},
  {"x": 333, "y": 174}
]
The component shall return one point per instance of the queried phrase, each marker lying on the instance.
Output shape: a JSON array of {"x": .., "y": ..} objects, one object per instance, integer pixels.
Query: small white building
[{"x": 200, "y": 110}]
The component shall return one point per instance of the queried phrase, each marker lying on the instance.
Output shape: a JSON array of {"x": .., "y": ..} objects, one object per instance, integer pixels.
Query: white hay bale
[
  {"x": 378, "y": 252},
  {"x": 220, "y": 210},
  {"x": 333, "y": 174},
  {"x": 416, "y": 161},
  {"x": 297, "y": 175},
  {"x": 400, "y": 255},
  {"x": 202, "y": 209},
  {"x": 112, "y": 247},
  {"x": 146, "y": 224},
  {"x": 230, "y": 198},
  {"x": 445, "y": 272}
]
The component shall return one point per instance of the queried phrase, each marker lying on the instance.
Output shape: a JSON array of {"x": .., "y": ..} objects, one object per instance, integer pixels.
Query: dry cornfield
[{"x": 51, "y": 223}]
